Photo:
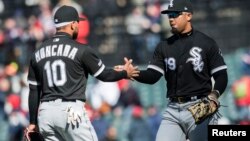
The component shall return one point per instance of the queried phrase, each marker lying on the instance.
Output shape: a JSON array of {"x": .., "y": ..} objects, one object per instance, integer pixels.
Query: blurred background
[{"x": 123, "y": 110}]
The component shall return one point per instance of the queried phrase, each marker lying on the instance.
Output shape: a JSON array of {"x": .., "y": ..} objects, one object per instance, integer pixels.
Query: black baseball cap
[
  {"x": 65, "y": 15},
  {"x": 178, "y": 6}
]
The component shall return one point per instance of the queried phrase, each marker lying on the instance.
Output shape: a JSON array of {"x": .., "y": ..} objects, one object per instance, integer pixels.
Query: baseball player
[
  {"x": 188, "y": 60},
  {"x": 57, "y": 78}
]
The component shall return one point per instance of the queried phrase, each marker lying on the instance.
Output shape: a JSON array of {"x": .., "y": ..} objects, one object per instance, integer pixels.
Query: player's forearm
[
  {"x": 110, "y": 75},
  {"x": 34, "y": 100},
  {"x": 148, "y": 76},
  {"x": 221, "y": 80}
]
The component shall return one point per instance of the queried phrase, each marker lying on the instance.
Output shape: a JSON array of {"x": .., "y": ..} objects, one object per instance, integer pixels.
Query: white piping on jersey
[
  {"x": 33, "y": 82},
  {"x": 156, "y": 68},
  {"x": 99, "y": 71},
  {"x": 218, "y": 69},
  {"x": 62, "y": 24}
]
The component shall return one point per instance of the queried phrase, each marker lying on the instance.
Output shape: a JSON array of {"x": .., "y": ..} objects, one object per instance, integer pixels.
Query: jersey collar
[
  {"x": 62, "y": 34},
  {"x": 186, "y": 34}
]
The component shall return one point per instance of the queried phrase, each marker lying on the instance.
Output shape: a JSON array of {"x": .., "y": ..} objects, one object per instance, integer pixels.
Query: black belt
[
  {"x": 183, "y": 99},
  {"x": 63, "y": 100}
]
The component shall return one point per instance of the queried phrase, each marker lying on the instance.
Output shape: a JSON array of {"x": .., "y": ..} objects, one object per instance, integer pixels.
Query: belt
[
  {"x": 61, "y": 100},
  {"x": 183, "y": 99}
]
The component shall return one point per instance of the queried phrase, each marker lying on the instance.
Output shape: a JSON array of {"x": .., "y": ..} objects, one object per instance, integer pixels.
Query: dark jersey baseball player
[
  {"x": 188, "y": 60},
  {"x": 57, "y": 78}
]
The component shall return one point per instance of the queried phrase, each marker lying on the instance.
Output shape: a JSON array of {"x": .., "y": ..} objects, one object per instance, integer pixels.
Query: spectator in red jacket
[
  {"x": 241, "y": 91},
  {"x": 84, "y": 32}
]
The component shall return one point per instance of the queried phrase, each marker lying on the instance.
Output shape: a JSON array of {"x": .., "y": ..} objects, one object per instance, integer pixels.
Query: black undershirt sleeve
[
  {"x": 221, "y": 80},
  {"x": 148, "y": 76},
  {"x": 34, "y": 100},
  {"x": 110, "y": 75}
]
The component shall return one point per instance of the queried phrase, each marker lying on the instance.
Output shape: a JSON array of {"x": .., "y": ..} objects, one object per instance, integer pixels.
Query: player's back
[{"x": 58, "y": 68}]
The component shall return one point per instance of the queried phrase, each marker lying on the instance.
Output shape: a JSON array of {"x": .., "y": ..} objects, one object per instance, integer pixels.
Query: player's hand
[
  {"x": 28, "y": 130},
  {"x": 32, "y": 128},
  {"x": 132, "y": 71}
]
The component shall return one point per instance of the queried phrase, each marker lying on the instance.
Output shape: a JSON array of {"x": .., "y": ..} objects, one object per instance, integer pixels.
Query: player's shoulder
[
  {"x": 44, "y": 43},
  {"x": 79, "y": 45},
  {"x": 170, "y": 40},
  {"x": 202, "y": 37},
  {"x": 167, "y": 42},
  {"x": 83, "y": 49}
]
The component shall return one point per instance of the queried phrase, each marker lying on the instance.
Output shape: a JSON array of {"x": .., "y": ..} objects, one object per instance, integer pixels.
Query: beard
[
  {"x": 174, "y": 31},
  {"x": 75, "y": 34}
]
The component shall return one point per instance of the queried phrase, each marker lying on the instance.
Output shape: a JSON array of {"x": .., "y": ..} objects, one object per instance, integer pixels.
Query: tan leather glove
[{"x": 205, "y": 108}]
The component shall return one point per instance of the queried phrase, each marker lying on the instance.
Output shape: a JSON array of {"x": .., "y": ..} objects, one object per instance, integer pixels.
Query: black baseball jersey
[
  {"x": 188, "y": 63},
  {"x": 61, "y": 67}
]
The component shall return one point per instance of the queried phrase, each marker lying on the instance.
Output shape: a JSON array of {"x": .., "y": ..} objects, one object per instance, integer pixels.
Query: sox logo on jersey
[{"x": 196, "y": 59}]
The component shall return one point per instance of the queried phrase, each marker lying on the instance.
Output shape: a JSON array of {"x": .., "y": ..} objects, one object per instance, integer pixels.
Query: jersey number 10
[{"x": 56, "y": 73}]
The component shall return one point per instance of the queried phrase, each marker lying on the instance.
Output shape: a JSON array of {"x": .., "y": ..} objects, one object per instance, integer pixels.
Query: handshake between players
[{"x": 132, "y": 71}]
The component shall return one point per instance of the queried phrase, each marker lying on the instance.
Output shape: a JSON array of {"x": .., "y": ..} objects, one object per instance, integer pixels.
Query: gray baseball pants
[
  {"x": 178, "y": 124},
  {"x": 52, "y": 121}
]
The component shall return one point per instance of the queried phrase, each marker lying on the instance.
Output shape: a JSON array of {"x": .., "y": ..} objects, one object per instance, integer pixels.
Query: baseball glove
[
  {"x": 32, "y": 136},
  {"x": 205, "y": 108}
]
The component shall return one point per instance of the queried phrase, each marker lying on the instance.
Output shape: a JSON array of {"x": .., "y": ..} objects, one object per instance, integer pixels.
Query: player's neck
[
  {"x": 66, "y": 30},
  {"x": 188, "y": 28},
  {"x": 188, "y": 31}
]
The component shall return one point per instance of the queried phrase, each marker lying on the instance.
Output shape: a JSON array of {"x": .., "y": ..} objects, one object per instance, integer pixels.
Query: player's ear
[
  {"x": 189, "y": 16},
  {"x": 72, "y": 26}
]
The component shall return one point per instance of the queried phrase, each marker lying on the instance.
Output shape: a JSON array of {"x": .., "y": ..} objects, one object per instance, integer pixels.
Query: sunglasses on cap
[{"x": 174, "y": 14}]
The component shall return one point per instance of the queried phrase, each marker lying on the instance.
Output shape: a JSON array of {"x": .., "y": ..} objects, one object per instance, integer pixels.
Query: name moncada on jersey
[{"x": 56, "y": 50}]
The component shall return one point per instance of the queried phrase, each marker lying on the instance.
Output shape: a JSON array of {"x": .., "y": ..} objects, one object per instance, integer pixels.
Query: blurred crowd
[
  {"x": 240, "y": 90},
  {"x": 112, "y": 107},
  {"x": 115, "y": 109}
]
